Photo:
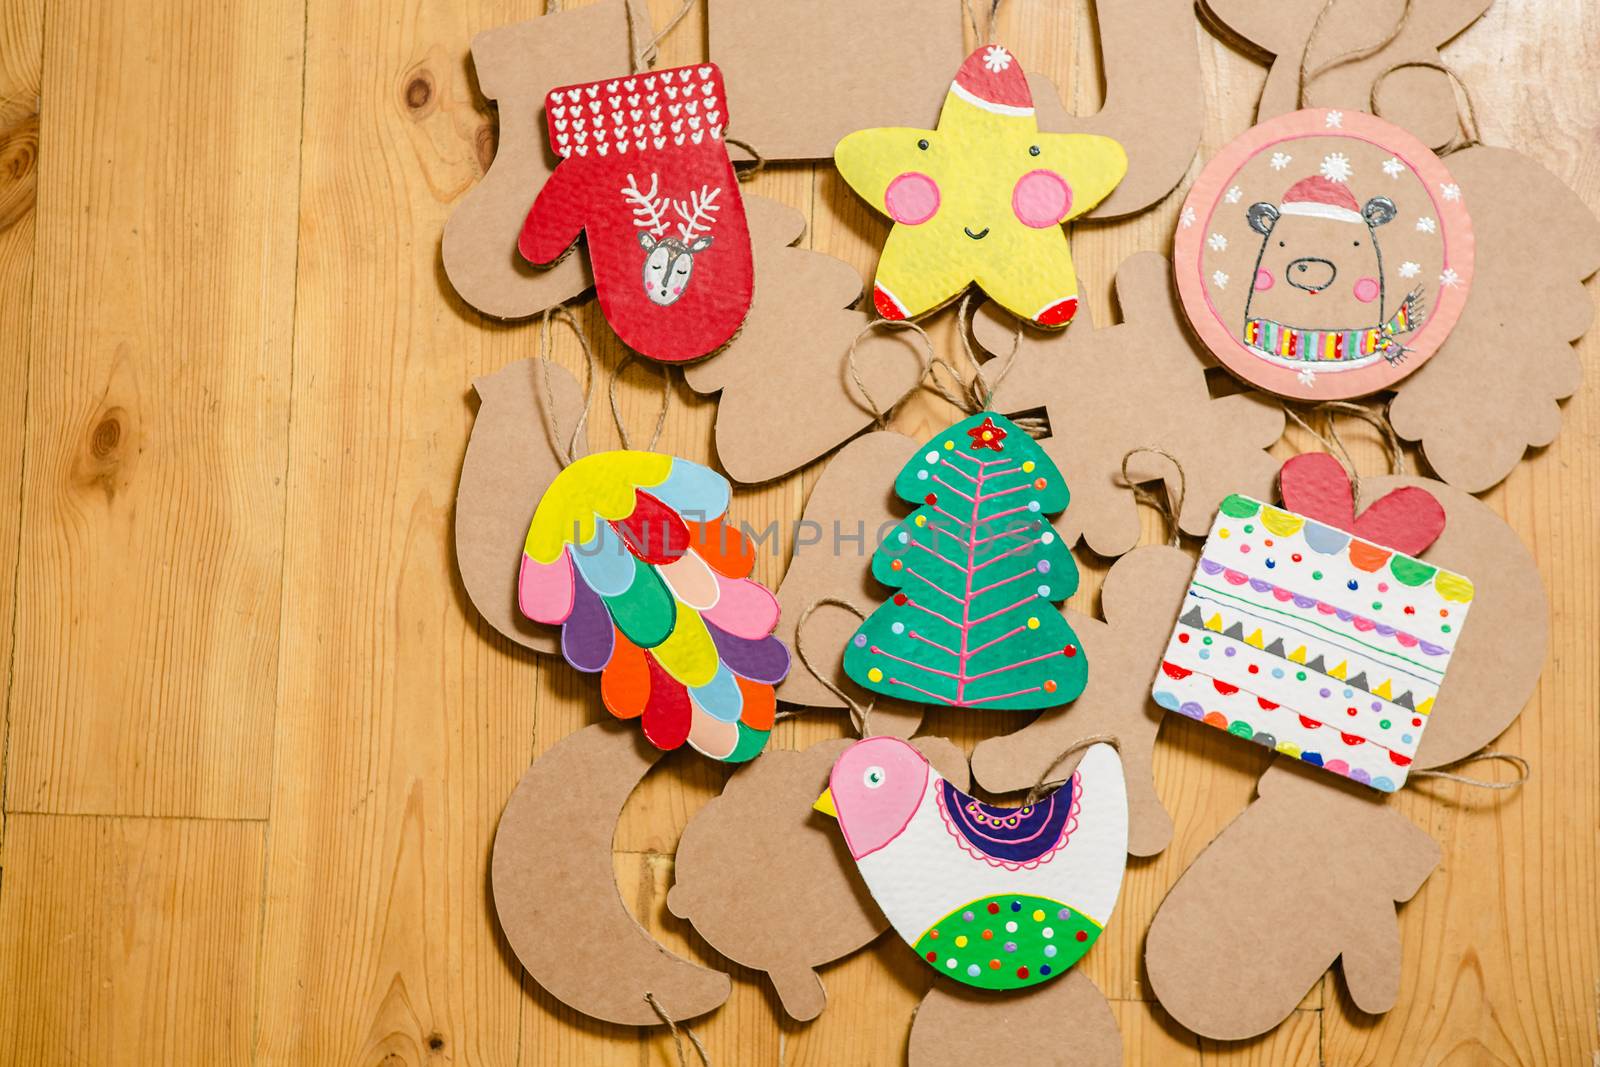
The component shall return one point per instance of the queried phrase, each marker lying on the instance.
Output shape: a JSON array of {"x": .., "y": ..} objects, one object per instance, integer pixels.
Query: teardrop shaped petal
[
  {"x": 766, "y": 660},
  {"x": 744, "y": 608},
  {"x": 586, "y": 636},
  {"x": 760, "y": 704},
  {"x": 723, "y": 547},
  {"x": 695, "y": 492},
  {"x": 544, "y": 590},
  {"x": 625, "y": 684},
  {"x": 667, "y": 713},
  {"x": 645, "y": 612},
  {"x": 654, "y": 532},
  {"x": 710, "y": 735},
  {"x": 692, "y": 582},
  {"x": 688, "y": 653},
  {"x": 605, "y": 563},
  {"x": 720, "y": 698},
  {"x": 751, "y": 742}
]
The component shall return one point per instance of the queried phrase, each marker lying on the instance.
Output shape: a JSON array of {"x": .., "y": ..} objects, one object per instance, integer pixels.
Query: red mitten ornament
[{"x": 645, "y": 173}]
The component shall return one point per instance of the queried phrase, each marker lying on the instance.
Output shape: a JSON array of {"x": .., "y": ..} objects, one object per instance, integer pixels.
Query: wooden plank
[
  {"x": 21, "y": 77},
  {"x": 158, "y": 402},
  {"x": 128, "y": 941}
]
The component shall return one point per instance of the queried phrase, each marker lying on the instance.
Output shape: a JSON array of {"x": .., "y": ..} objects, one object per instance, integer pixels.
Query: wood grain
[{"x": 240, "y": 602}]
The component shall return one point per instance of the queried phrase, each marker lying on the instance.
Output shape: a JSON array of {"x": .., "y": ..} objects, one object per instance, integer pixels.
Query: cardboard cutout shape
[
  {"x": 1492, "y": 390},
  {"x": 981, "y": 198},
  {"x": 1324, "y": 254},
  {"x": 1139, "y": 384},
  {"x": 759, "y": 843},
  {"x": 644, "y": 174},
  {"x": 791, "y": 356},
  {"x": 516, "y": 66},
  {"x": 629, "y": 554},
  {"x": 996, "y": 898},
  {"x": 1067, "y": 1022},
  {"x": 1421, "y": 102},
  {"x": 1140, "y": 600},
  {"x": 851, "y": 510},
  {"x": 1319, "y": 840},
  {"x": 1309, "y": 873},
  {"x": 510, "y": 462},
  {"x": 979, "y": 570},
  {"x": 1322, "y": 645},
  {"x": 555, "y": 891},
  {"x": 801, "y": 76}
]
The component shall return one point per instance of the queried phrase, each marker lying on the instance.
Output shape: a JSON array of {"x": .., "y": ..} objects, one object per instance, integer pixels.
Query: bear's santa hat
[
  {"x": 992, "y": 79},
  {"x": 1320, "y": 198}
]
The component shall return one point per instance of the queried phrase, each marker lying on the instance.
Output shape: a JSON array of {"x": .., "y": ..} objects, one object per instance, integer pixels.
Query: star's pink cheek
[
  {"x": 912, "y": 198},
  {"x": 1264, "y": 280},
  {"x": 1041, "y": 198},
  {"x": 1367, "y": 290}
]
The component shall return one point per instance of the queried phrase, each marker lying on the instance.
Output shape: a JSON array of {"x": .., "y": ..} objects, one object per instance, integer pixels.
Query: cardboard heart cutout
[
  {"x": 1317, "y": 486},
  {"x": 1154, "y": 102},
  {"x": 1138, "y": 384},
  {"x": 1067, "y": 1023},
  {"x": 509, "y": 463},
  {"x": 1492, "y": 391},
  {"x": 555, "y": 890},
  {"x": 516, "y": 66},
  {"x": 1139, "y": 599},
  {"x": 1413, "y": 98},
  {"x": 768, "y": 883},
  {"x": 1309, "y": 873},
  {"x": 801, "y": 76},
  {"x": 791, "y": 356},
  {"x": 1326, "y": 858}
]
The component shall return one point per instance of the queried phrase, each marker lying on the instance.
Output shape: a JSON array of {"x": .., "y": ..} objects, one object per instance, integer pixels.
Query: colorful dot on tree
[
  {"x": 1022, "y": 972},
  {"x": 875, "y": 675},
  {"x": 1050, "y": 952},
  {"x": 1011, "y": 927},
  {"x": 921, "y": 520},
  {"x": 897, "y": 628},
  {"x": 1027, "y": 466},
  {"x": 896, "y": 565},
  {"x": 988, "y": 935},
  {"x": 931, "y": 498},
  {"x": 948, "y": 445},
  {"x": 961, "y": 941},
  {"x": 967, "y": 915},
  {"x": 900, "y": 599},
  {"x": 950, "y": 963},
  {"x": 934, "y": 934},
  {"x": 1048, "y": 932},
  {"x": 994, "y": 965},
  {"x": 1072, "y": 650},
  {"x": 922, "y": 476},
  {"x": 1033, "y": 623},
  {"x": 860, "y": 640},
  {"x": 1038, "y": 916},
  {"x": 1039, "y": 483},
  {"x": 932, "y": 956},
  {"x": 1064, "y": 914},
  {"x": 994, "y": 909},
  {"x": 1033, "y": 505},
  {"x": 1016, "y": 905},
  {"x": 1082, "y": 935},
  {"x": 974, "y": 970},
  {"x": 1044, "y": 969},
  {"x": 1047, "y": 538},
  {"x": 1049, "y": 685}
]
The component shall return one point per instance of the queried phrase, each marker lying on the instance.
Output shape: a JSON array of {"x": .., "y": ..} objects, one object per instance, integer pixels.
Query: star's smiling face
[{"x": 980, "y": 198}]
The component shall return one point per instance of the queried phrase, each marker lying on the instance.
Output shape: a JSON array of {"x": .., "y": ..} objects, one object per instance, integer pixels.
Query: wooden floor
[{"x": 256, "y": 741}]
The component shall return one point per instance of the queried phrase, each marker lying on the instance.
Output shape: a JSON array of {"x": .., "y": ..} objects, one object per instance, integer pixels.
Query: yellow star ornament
[{"x": 980, "y": 199}]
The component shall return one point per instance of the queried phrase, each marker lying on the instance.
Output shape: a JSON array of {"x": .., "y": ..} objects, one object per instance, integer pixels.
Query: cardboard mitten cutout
[
  {"x": 981, "y": 198},
  {"x": 768, "y": 882},
  {"x": 516, "y": 66},
  {"x": 1140, "y": 598},
  {"x": 977, "y": 571},
  {"x": 1140, "y": 384},
  {"x": 628, "y": 552},
  {"x": 1317, "y": 863},
  {"x": 793, "y": 356},
  {"x": 995, "y": 898},
  {"x": 645, "y": 175},
  {"x": 555, "y": 890}
]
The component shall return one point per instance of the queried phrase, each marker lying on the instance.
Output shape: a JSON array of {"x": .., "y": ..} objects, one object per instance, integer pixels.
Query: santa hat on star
[
  {"x": 1319, "y": 198},
  {"x": 991, "y": 78}
]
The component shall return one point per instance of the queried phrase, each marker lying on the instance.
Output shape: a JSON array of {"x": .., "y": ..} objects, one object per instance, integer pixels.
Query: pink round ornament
[{"x": 1324, "y": 255}]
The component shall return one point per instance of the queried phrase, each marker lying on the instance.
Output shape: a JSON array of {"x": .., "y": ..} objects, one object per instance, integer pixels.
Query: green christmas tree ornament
[{"x": 978, "y": 572}]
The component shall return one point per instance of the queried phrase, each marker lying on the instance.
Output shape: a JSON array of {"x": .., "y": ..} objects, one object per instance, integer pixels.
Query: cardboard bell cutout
[
  {"x": 981, "y": 198},
  {"x": 644, "y": 173},
  {"x": 996, "y": 898},
  {"x": 979, "y": 571},
  {"x": 1314, "y": 641},
  {"x": 1324, "y": 254},
  {"x": 629, "y": 554}
]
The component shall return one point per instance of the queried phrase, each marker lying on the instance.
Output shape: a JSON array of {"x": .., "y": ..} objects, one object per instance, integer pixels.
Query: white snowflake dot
[
  {"x": 1336, "y": 167},
  {"x": 1335, "y": 120},
  {"x": 996, "y": 59},
  {"x": 1186, "y": 217},
  {"x": 1218, "y": 242},
  {"x": 1450, "y": 191},
  {"x": 1449, "y": 279},
  {"x": 1306, "y": 378},
  {"x": 1408, "y": 269},
  {"x": 1393, "y": 167},
  {"x": 1427, "y": 225},
  {"x": 1281, "y": 160},
  {"x": 1220, "y": 278},
  {"x": 1234, "y": 195}
]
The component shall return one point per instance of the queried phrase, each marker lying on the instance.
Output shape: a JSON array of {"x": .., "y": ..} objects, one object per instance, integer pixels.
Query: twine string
[
  {"x": 986, "y": 34},
  {"x": 1169, "y": 506},
  {"x": 1041, "y": 785},
  {"x": 647, "y": 53},
  {"x": 661, "y": 414},
  {"x": 860, "y": 716},
  {"x": 1335, "y": 445},
  {"x": 1307, "y": 76},
  {"x": 565, "y": 452},
  {"x": 1524, "y": 771},
  {"x": 760, "y": 160},
  {"x": 678, "y": 1033},
  {"x": 926, "y": 356},
  {"x": 1468, "y": 132}
]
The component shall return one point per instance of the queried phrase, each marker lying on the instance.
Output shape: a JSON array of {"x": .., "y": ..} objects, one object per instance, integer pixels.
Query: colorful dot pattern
[{"x": 1008, "y": 942}]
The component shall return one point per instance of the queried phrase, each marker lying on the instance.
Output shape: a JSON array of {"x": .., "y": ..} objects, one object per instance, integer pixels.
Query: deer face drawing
[
  {"x": 669, "y": 261},
  {"x": 668, "y": 265}
]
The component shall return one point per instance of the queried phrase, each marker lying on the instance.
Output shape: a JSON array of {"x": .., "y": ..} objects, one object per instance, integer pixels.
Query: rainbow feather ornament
[{"x": 630, "y": 554}]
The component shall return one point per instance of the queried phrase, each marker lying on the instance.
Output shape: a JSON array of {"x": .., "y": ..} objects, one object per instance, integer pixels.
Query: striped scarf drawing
[{"x": 1337, "y": 346}]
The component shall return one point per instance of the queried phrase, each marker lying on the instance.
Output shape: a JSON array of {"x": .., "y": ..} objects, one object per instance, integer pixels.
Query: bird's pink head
[{"x": 875, "y": 788}]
